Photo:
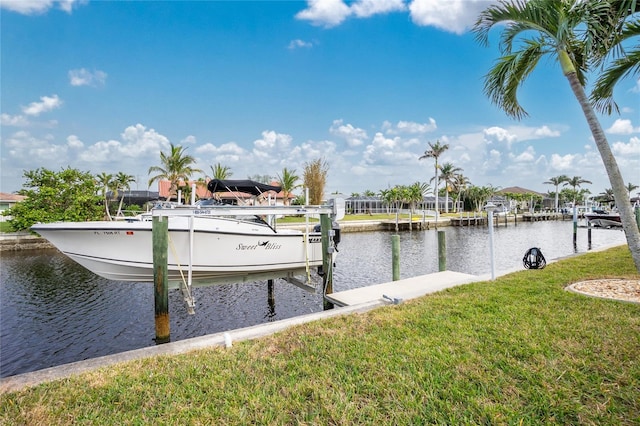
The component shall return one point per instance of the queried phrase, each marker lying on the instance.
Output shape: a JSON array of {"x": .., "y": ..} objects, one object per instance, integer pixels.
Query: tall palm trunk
[{"x": 611, "y": 166}]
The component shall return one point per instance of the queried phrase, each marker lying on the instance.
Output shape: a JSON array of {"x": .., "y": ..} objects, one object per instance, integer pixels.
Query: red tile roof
[{"x": 4, "y": 196}]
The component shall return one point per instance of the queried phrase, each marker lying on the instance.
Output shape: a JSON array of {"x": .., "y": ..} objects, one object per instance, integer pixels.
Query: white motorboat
[
  {"x": 603, "y": 219},
  {"x": 215, "y": 243}
]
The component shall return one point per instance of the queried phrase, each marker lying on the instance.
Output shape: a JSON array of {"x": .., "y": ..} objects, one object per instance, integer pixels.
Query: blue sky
[{"x": 105, "y": 86}]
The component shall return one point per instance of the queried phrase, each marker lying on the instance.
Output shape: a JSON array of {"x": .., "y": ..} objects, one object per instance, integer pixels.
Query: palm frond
[
  {"x": 509, "y": 73},
  {"x": 602, "y": 94}
]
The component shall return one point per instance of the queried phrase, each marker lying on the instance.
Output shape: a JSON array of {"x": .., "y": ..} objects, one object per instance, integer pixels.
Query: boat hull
[
  {"x": 603, "y": 220},
  {"x": 216, "y": 248}
]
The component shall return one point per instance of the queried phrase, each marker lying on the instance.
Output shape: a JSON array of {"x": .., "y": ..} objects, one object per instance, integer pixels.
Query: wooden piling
[
  {"x": 395, "y": 256},
  {"x": 442, "y": 252},
  {"x": 160, "y": 242},
  {"x": 270, "y": 296},
  {"x": 327, "y": 258}
]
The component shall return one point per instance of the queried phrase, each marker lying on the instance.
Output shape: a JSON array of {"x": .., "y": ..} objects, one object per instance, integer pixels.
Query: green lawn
[{"x": 519, "y": 350}]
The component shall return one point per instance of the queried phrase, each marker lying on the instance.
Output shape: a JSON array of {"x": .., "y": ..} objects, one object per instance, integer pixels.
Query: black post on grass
[{"x": 160, "y": 242}]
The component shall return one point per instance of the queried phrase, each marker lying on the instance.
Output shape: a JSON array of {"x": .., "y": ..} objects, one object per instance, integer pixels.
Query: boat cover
[{"x": 246, "y": 186}]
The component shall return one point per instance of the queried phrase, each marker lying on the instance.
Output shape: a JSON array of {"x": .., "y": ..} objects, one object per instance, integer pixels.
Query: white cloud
[
  {"x": 74, "y": 142},
  {"x": 545, "y": 132},
  {"x": 13, "y": 120},
  {"x": 229, "y": 152},
  {"x": 327, "y": 13},
  {"x": 410, "y": 127},
  {"x": 367, "y": 8},
  {"x": 189, "y": 140},
  {"x": 622, "y": 127},
  {"x": 84, "y": 77},
  {"x": 528, "y": 156},
  {"x": 298, "y": 44},
  {"x": 330, "y": 13},
  {"x": 24, "y": 150},
  {"x": 632, "y": 148},
  {"x": 562, "y": 163},
  {"x": 136, "y": 142},
  {"x": 353, "y": 135},
  {"x": 499, "y": 134},
  {"x": 35, "y": 7},
  {"x": 47, "y": 103},
  {"x": 455, "y": 16}
]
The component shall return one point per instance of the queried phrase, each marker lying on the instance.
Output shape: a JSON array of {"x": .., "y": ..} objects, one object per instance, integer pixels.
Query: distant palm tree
[
  {"x": 288, "y": 181},
  {"x": 575, "y": 183},
  {"x": 557, "y": 181},
  {"x": 460, "y": 184},
  {"x": 220, "y": 172},
  {"x": 415, "y": 194},
  {"x": 122, "y": 183},
  {"x": 448, "y": 174},
  {"x": 175, "y": 166},
  {"x": 631, "y": 187},
  {"x": 606, "y": 195},
  {"x": 106, "y": 182},
  {"x": 435, "y": 151}
]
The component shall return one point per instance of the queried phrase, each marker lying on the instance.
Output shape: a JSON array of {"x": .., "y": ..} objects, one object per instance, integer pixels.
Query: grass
[{"x": 519, "y": 350}]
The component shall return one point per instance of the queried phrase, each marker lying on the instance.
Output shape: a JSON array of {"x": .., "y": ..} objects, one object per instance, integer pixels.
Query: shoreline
[{"x": 19, "y": 241}]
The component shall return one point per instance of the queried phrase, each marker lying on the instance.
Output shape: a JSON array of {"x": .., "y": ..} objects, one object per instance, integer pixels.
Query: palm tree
[
  {"x": 460, "y": 184},
  {"x": 575, "y": 183},
  {"x": 288, "y": 181},
  {"x": 175, "y": 167},
  {"x": 606, "y": 195},
  {"x": 106, "y": 181},
  {"x": 556, "y": 181},
  {"x": 631, "y": 187},
  {"x": 447, "y": 175},
  {"x": 435, "y": 151},
  {"x": 220, "y": 172},
  {"x": 573, "y": 33},
  {"x": 122, "y": 183}
]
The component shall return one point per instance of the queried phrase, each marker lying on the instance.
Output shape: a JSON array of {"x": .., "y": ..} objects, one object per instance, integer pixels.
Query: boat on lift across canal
[{"x": 209, "y": 241}]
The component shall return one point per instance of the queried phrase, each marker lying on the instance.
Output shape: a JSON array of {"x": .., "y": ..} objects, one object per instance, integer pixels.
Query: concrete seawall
[{"x": 19, "y": 241}]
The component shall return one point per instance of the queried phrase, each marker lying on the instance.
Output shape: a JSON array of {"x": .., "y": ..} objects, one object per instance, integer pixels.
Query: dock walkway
[{"x": 397, "y": 291}]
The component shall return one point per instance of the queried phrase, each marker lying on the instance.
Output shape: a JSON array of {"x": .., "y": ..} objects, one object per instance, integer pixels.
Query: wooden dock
[
  {"x": 397, "y": 291},
  {"x": 468, "y": 221},
  {"x": 535, "y": 217}
]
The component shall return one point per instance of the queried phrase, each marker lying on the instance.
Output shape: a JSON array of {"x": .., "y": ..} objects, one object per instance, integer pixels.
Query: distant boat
[
  {"x": 603, "y": 219},
  {"x": 208, "y": 242}
]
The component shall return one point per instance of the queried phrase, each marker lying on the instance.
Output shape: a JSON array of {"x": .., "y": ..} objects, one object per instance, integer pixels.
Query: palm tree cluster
[
  {"x": 583, "y": 36},
  {"x": 400, "y": 195},
  {"x": 116, "y": 186}
]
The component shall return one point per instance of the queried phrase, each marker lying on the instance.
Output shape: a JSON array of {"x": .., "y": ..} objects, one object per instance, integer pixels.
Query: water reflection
[{"x": 53, "y": 311}]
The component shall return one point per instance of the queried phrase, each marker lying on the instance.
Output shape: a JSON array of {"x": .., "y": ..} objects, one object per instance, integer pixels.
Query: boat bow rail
[{"x": 335, "y": 210}]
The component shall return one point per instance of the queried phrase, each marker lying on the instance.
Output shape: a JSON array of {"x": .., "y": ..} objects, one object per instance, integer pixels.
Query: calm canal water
[{"x": 52, "y": 311}]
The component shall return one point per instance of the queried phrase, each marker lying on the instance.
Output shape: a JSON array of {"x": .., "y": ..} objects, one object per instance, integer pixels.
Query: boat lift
[{"x": 331, "y": 212}]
